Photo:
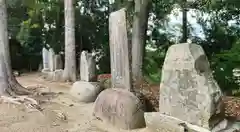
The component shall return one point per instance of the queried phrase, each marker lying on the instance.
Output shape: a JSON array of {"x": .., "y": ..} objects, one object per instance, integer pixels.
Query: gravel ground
[{"x": 60, "y": 114}]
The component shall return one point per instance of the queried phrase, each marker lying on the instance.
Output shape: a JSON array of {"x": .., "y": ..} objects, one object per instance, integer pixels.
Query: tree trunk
[
  {"x": 140, "y": 23},
  {"x": 13, "y": 85},
  {"x": 184, "y": 22},
  {"x": 69, "y": 73},
  {"x": 3, "y": 76}
]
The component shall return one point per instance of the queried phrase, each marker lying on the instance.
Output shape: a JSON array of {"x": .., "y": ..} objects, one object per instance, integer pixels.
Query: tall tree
[
  {"x": 69, "y": 73},
  {"x": 139, "y": 30},
  {"x": 8, "y": 83},
  {"x": 184, "y": 21}
]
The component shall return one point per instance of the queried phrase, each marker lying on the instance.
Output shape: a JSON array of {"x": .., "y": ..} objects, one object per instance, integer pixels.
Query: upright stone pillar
[
  {"x": 51, "y": 60},
  {"x": 45, "y": 59},
  {"x": 58, "y": 62},
  {"x": 126, "y": 110},
  {"x": 87, "y": 89},
  {"x": 120, "y": 68},
  {"x": 87, "y": 67}
]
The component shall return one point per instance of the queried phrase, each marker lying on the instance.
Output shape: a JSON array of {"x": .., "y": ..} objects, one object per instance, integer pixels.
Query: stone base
[
  {"x": 163, "y": 123},
  {"x": 52, "y": 75},
  {"x": 85, "y": 91}
]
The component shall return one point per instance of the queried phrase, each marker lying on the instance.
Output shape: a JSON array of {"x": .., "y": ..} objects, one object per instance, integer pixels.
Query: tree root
[
  {"x": 15, "y": 88},
  {"x": 30, "y": 103},
  {"x": 18, "y": 95}
]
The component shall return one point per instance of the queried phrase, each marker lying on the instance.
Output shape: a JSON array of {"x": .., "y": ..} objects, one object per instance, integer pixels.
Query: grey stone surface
[
  {"x": 87, "y": 67},
  {"x": 162, "y": 123},
  {"x": 57, "y": 75},
  {"x": 227, "y": 126},
  {"x": 120, "y": 108},
  {"x": 85, "y": 91},
  {"x": 45, "y": 58},
  {"x": 52, "y": 75},
  {"x": 51, "y": 59},
  {"x": 188, "y": 91},
  {"x": 58, "y": 63},
  {"x": 120, "y": 67}
]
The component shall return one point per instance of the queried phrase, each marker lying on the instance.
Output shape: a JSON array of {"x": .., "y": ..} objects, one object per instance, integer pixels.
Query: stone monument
[
  {"x": 87, "y": 89},
  {"x": 117, "y": 105},
  {"x": 87, "y": 67},
  {"x": 189, "y": 95},
  {"x": 120, "y": 67},
  {"x": 58, "y": 62},
  {"x": 45, "y": 59},
  {"x": 51, "y": 60}
]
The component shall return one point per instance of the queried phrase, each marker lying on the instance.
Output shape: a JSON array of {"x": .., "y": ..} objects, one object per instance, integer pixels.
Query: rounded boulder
[
  {"x": 85, "y": 91},
  {"x": 119, "y": 107}
]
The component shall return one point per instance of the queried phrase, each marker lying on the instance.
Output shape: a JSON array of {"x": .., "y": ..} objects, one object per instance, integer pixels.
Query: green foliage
[
  {"x": 224, "y": 63},
  {"x": 221, "y": 42},
  {"x": 152, "y": 66}
]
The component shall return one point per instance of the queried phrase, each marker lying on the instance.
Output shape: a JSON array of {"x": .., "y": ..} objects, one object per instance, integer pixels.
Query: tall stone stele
[
  {"x": 120, "y": 67},
  {"x": 126, "y": 109}
]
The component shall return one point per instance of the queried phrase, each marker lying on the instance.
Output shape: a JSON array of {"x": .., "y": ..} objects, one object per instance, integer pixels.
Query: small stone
[
  {"x": 60, "y": 115},
  {"x": 55, "y": 124}
]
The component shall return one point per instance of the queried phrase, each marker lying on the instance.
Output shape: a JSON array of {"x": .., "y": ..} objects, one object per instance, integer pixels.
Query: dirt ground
[{"x": 60, "y": 114}]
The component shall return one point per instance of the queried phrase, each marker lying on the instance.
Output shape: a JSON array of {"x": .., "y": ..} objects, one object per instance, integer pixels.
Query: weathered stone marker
[
  {"x": 51, "y": 60},
  {"x": 87, "y": 67},
  {"x": 119, "y": 50},
  {"x": 118, "y": 106},
  {"x": 87, "y": 89},
  {"x": 58, "y": 62},
  {"x": 45, "y": 58},
  {"x": 187, "y": 85},
  {"x": 189, "y": 96}
]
